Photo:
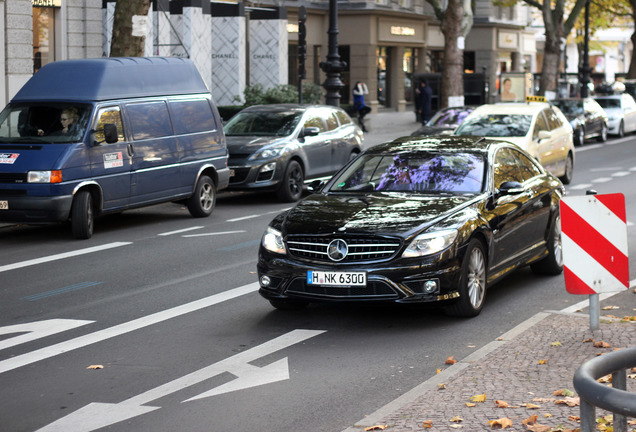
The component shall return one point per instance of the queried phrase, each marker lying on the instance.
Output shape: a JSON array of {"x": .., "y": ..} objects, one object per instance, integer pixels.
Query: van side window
[
  {"x": 192, "y": 116},
  {"x": 149, "y": 120},
  {"x": 109, "y": 115}
]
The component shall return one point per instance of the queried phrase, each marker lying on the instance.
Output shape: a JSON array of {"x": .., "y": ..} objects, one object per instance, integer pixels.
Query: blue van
[{"x": 93, "y": 136}]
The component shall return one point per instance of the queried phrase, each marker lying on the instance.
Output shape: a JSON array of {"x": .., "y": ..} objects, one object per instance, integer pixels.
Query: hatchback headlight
[
  {"x": 268, "y": 153},
  {"x": 273, "y": 241},
  {"x": 430, "y": 243},
  {"x": 54, "y": 176}
]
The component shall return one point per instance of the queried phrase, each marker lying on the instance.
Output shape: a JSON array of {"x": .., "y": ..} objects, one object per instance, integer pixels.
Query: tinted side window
[
  {"x": 332, "y": 121},
  {"x": 527, "y": 168},
  {"x": 315, "y": 121},
  {"x": 110, "y": 115},
  {"x": 192, "y": 116},
  {"x": 149, "y": 120},
  {"x": 554, "y": 122},
  {"x": 506, "y": 167},
  {"x": 344, "y": 118},
  {"x": 540, "y": 125}
]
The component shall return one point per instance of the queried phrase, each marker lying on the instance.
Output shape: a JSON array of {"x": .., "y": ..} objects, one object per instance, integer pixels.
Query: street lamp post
[
  {"x": 333, "y": 66},
  {"x": 585, "y": 69}
]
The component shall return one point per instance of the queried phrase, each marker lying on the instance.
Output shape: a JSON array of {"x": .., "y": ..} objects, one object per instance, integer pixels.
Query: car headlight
[
  {"x": 54, "y": 176},
  {"x": 430, "y": 243},
  {"x": 268, "y": 153},
  {"x": 273, "y": 241}
]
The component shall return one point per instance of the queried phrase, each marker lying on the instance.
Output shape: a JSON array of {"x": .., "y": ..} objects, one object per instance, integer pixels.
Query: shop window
[{"x": 43, "y": 36}]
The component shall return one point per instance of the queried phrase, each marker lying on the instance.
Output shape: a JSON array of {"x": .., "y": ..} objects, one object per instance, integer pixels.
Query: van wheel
[
  {"x": 291, "y": 186},
  {"x": 82, "y": 215},
  {"x": 203, "y": 200}
]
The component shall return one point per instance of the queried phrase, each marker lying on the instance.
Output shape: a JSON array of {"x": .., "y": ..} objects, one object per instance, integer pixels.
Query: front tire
[
  {"x": 553, "y": 263},
  {"x": 472, "y": 282},
  {"x": 291, "y": 187},
  {"x": 602, "y": 136},
  {"x": 203, "y": 200},
  {"x": 82, "y": 215},
  {"x": 621, "y": 130},
  {"x": 579, "y": 139},
  {"x": 569, "y": 170}
]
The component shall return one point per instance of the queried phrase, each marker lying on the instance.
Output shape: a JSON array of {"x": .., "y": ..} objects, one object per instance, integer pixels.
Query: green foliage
[{"x": 283, "y": 93}]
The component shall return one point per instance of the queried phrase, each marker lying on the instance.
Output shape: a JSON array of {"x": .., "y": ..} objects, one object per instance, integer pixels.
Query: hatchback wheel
[
  {"x": 291, "y": 187},
  {"x": 472, "y": 282}
]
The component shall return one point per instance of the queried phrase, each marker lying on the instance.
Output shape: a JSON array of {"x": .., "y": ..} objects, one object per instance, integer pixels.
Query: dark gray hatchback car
[{"x": 278, "y": 147}]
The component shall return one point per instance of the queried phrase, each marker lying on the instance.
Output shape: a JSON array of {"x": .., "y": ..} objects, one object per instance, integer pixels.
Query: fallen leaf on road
[
  {"x": 574, "y": 418},
  {"x": 478, "y": 398},
  {"x": 601, "y": 344},
  {"x": 564, "y": 392},
  {"x": 95, "y": 367},
  {"x": 605, "y": 379},
  {"x": 530, "y": 420},
  {"x": 547, "y": 415},
  {"x": 610, "y": 307},
  {"x": 450, "y": 360},
  {"x": 556, "y": 344},
  {"x": 539, "y": 428},
  {"x": 470, "y": 404},
  {"x": 376, "y": 427},
  {"x": 502, "y": 404},
  {"x": 457, "y": 419},
  {"x": 588, "y": 340},
  {"x": 532, "y": 406},
  {"x": 439, "y": 371},
  {"x": 427, "y": 424},
  {"x": 503, "y": 423},
  {"x": 441, "y": 386},
  {"x": 569, "y": 401},
  {"x": 542, "y": 362}
]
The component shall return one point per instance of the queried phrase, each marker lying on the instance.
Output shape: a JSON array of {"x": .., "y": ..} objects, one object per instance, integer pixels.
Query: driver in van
[{"x": 68, "y": 119}]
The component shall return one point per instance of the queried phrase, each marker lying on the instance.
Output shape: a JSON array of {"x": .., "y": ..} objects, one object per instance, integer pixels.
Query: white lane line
[
  {"x": 61, "y": 256},
  {"x": 243, "y": 218},
  {"x": 602, "y": 180},
  {"x": 181, "y": 231},
  {"x": 580, "y": 186},
  {"x": 214, "y": 233},
  {"x": 120, "y": 329}
]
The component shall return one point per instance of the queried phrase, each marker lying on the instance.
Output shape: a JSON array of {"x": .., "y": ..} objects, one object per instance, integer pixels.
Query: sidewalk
[
  {"x": 523, "y": 369},
  {"x": 384, "y": 125}
]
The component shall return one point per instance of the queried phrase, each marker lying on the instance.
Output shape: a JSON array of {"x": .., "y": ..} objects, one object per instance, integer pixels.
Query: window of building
[{"x": 43, "y": 36}]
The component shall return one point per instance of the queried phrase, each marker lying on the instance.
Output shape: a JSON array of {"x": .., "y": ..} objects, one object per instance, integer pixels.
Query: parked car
[
  {"x": 110, "y": 135},
  {"x": 621, "y": 112},
  {"x": 537, "y": 127},
  {"x": 277, "y": 147},
  {"x": 417, "y": 220},
  {"x": 587, "y": 118},
  {"x": 444, "y": 121}
]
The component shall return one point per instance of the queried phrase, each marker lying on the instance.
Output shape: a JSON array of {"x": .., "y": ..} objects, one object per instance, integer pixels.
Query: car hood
[
  {"x": 250, "y": 144},
  {"x": 390, "y": 213},
  {"x": 433, "y": 130}
]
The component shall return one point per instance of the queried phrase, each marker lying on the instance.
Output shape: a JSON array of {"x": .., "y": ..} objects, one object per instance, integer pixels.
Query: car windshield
[
  {"x": 424, "y": 173},
  {"x": 44, "y": 123},
  {"x": 262, "y": 123},
  {"x": 609, "y": 103},
  {"x": 496, "y": 125},
  {"x": 449, "y": 117},
  {"x": 570, "y": 107}
]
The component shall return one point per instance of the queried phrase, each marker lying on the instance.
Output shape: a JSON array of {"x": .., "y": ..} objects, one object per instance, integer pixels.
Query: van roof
[{"x": 112, "y": 78}]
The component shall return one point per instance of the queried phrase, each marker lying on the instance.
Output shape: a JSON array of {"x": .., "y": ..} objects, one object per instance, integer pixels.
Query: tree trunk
[
  {"x": 453, "y": 73},
  {"x": 129, "y": 28},
  {"x": 631, "y": 73}
]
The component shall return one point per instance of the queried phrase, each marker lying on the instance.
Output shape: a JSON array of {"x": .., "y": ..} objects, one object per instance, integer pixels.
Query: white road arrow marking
[
  {"x": 98, "y": 415},
  {"x": 37, "y": 330}
]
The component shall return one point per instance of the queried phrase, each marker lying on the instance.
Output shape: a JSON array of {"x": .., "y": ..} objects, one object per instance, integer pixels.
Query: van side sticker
[
  {"x": 8, "y": 158},
  {"x": 113, "y": 160}
]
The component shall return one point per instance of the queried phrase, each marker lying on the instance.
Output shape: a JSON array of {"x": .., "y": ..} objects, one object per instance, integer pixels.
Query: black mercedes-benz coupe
[{"x": 416, "y": 220}]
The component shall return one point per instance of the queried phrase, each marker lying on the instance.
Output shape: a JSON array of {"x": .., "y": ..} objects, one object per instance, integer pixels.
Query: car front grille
[
  {"x": 375, "y": 290},
  {"x": 360, "y": 249},
  {"x": 13, "y": 178}
]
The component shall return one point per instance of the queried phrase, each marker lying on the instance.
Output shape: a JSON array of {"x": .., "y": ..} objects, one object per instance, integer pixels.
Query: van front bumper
[{"x": 33, "y": 210}]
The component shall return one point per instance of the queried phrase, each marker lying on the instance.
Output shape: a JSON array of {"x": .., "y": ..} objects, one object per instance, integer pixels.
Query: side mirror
[
  {"x": 510, "y": 188},
  {"x": 110, "y": 133},
  {"x": 544, "y": 134},
  {"x": 310, "y": 131},
  {"x": 316, "y": 185}
]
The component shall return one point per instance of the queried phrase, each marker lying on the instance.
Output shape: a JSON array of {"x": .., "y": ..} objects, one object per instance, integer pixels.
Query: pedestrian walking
[
  {"x": 359, "y": 90},
  {"x": 423, "y": 97}
]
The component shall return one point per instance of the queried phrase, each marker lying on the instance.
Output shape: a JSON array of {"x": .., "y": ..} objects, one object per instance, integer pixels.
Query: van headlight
[
  {"x": 268, "y": 153},
  {"x": 273, "y": 241},
  {"x": 54, "y": 176},
  {"x": 430, "y": 243}
]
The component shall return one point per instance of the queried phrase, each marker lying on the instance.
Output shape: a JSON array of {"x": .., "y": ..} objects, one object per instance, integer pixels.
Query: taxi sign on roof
[{"x": 536, "y": 99}]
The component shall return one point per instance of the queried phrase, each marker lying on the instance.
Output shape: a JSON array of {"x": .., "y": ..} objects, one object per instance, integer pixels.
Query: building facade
[{"x": 385, "y": 43}]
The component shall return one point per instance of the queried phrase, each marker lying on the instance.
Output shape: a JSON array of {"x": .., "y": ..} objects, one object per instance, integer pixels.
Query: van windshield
[{"x": 44, "y": 122}]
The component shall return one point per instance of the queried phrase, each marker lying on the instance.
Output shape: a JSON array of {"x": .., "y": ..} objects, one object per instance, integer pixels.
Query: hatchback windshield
[
  {"x": 422, "y": 173},
  {"x": 570, "y": 107},
  {"x": 496, "y": 125},
  {"x": 280, "y": 123},
  {"x": 43, "y": 123}
]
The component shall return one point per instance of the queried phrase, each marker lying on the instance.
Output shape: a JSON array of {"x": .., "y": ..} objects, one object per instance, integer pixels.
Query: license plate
[
  {"x": 4, "y": 205},
  {"x": 343, "y": 279}
]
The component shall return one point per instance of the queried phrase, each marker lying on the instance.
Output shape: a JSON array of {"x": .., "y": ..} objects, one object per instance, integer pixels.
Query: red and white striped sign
[{"x": 594, "y": 239}]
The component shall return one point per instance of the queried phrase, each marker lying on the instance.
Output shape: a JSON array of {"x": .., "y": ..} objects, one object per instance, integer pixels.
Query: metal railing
[{"x": 595, "y": 394}]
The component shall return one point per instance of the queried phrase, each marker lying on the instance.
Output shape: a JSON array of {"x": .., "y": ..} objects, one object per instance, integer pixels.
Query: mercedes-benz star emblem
[{"x": 337, "y": 250}]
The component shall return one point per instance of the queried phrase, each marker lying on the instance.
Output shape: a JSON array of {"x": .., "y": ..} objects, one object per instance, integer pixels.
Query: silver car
[{"x": 278, "y": 147}]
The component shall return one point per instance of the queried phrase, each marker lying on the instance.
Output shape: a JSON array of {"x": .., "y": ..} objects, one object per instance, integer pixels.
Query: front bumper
[
  {"x": 33, "y": 210},
  {"x": 397, "y": 281},
  {"x": 261, "y": 176}
]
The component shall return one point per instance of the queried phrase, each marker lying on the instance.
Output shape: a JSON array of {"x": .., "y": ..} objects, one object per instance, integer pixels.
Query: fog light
[
  {"x": 265, "y": 281},
  {"x": 430, "y": 286}
]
